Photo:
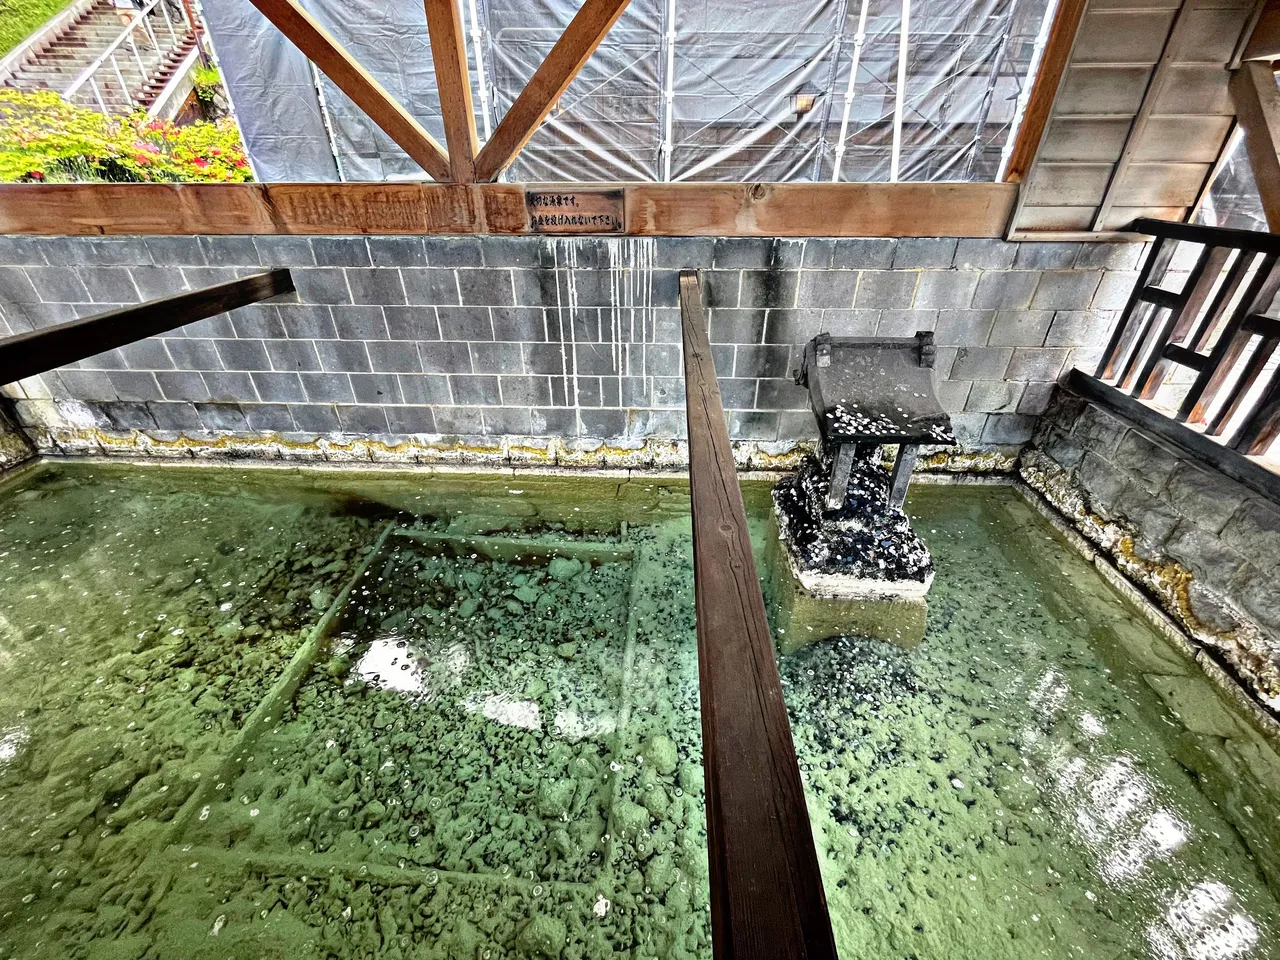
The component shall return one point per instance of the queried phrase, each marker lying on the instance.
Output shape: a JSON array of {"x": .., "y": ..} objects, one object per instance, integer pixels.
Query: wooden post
[
  {"x": 453, "y": 80},
  {"x": 1257, "y": 102}
]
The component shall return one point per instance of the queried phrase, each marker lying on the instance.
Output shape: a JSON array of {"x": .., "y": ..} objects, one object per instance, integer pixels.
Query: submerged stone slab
[{"x": 835, "y": 606}]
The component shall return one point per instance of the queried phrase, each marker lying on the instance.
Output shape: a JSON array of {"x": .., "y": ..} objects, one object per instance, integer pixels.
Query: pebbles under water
[{"x": 497, "y": 754}]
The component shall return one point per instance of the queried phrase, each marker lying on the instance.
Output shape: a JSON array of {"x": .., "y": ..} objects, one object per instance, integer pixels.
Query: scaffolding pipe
[
  {"x": 858, "y": 39},
  {"x": 668, "y": 91},
  {"x": 479, "y": 54},
  {"x": 899, "y": 101},
  {"x": 842, "y": 14}
]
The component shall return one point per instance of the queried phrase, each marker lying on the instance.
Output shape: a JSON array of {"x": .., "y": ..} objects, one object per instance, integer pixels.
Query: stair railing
[{"x": 108, "y": 58}]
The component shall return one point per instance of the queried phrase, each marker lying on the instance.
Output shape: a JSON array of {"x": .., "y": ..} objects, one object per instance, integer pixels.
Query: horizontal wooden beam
[
  {"x": 334, "y": 62},
  {"x": 767, "y": 899},
  {"x": 651, "y": 209},
  {"x": 28, "y": 354},
  {"x": 553, "y": 76}
]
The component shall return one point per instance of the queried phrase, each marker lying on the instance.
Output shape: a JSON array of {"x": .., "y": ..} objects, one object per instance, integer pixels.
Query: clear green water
[{"x": 243, "y": 715}]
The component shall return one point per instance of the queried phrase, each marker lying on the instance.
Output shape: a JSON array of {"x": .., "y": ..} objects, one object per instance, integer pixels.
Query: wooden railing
[
  {"x": 767, "y": 899},
  {"x": 27, "y": 354},
  {"x": 1207, "y": 326}
]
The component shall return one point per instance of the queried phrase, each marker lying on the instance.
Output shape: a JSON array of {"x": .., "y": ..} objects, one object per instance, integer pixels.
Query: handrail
[
  {"x": 125, "y": 34},
  {"x": 27, "y": 354},
  {"x": 767, "y": 898},
  {"x": 1215, "y": 326},
  {"x": 1251, "y": 240}
]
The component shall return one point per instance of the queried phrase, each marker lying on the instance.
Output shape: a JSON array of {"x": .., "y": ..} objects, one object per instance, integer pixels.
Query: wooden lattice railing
[{"x": 1206, "y": 327}]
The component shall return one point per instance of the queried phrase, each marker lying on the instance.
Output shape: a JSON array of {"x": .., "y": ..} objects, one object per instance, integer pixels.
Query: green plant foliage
[
  {"x": 21, "y": 18},
  {"x": 43, "y": 138},
  {"x": 207, "y": 82}
]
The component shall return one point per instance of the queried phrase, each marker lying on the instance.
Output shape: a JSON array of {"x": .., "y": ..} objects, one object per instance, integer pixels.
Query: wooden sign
[{"x": 574, "y": 211}]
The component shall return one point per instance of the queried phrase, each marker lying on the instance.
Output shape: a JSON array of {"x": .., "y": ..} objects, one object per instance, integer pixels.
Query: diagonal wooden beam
[
  {"x": 353, "y": 80},
  {"x": 449, "y": 55},
  {"x": 549, "y": 81},
  {"x": 1257, "y": 102},
  {"x": 36, "y": 351},
  {"x": 1044, "y": 89}
]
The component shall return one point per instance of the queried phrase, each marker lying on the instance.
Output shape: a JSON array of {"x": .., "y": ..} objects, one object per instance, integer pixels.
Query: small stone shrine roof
[{"x": 874, "y": 389}]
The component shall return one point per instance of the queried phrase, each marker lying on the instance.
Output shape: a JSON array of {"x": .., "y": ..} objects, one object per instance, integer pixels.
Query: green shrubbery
[
  {"x": 207, "y": 82},
  {"x": 43, "y": 138}
]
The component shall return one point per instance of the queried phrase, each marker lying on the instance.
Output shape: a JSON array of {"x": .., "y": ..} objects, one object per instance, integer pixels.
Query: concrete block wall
[
  {"x": 533, "y": 337},
  {"x": 1207, "y": 547}
]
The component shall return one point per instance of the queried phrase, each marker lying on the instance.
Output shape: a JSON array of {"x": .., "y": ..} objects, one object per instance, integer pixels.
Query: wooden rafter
[
  {"x": 549, "y": 81},
  {"x": 1257, "y": 102},
  {"x": 449, "y": 56},
  {"x": 1053, "y": 63},
  {"x": 650, "y": 209},
  {"x": 353, "y": 80},
  {"x": 1264, "y": 39}
]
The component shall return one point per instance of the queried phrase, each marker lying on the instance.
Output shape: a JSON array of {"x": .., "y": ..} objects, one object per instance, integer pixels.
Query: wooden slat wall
[{"x": 1140, "y": 118}]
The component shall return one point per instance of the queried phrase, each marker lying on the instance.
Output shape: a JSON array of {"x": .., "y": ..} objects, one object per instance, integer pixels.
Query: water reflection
[
  {"x": 1117, "y": 816},
  {"x": 1202, "y": 923}
]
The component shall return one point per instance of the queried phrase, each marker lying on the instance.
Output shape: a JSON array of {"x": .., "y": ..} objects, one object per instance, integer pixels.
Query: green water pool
[{"x": 270, "y": 713}]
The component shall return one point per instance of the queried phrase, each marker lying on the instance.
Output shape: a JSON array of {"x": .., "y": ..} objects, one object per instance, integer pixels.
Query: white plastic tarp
[{"x": 725, "y": 90}]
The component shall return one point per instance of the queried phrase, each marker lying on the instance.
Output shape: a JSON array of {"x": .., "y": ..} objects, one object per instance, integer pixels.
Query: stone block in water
[{"x": 857, "y": 570}]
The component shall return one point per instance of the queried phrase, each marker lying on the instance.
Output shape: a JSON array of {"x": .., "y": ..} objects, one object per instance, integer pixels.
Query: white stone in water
[
  {"x": 601, "y": 907},
  {"x": 957, "y": 783}
]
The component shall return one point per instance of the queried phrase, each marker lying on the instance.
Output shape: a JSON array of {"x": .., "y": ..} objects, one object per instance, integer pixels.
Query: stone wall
[
  {"x": 14, "y": 446},
  {"x": 526, "y": 342},
  {"x": 1204, "y": 546}
]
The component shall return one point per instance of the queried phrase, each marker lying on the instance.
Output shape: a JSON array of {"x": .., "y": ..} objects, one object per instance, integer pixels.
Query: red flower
[
  {"x": 215, "y": 152},
  {"x": 200, "y": 162},
  {"x": 241, "y": 162},
  {"x": 37, "y": 175}
]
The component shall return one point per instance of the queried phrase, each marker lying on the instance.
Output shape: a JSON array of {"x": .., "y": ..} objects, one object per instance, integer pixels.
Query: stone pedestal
[{"x": 857, "y": 570}]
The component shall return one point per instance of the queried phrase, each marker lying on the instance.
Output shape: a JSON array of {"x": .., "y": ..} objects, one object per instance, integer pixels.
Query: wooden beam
[
  {"x": 1257, "y": 102},
  {"x": 819, "y": 209},
  {"x": 650, "y": 209},
  {"x": 353, "y": 80},
  {"x": 767, "y": 899},
  {"x": 549, "y": 81},
  {"x": 453, "y": 80},
  {"x": 1264, "y": 41},
  {"x": 1184, "y": 21},
  {"x": 1053, "y": 64},
  {"x": 28, "y": 354},
  {"x": 1181, "y": 438}
]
